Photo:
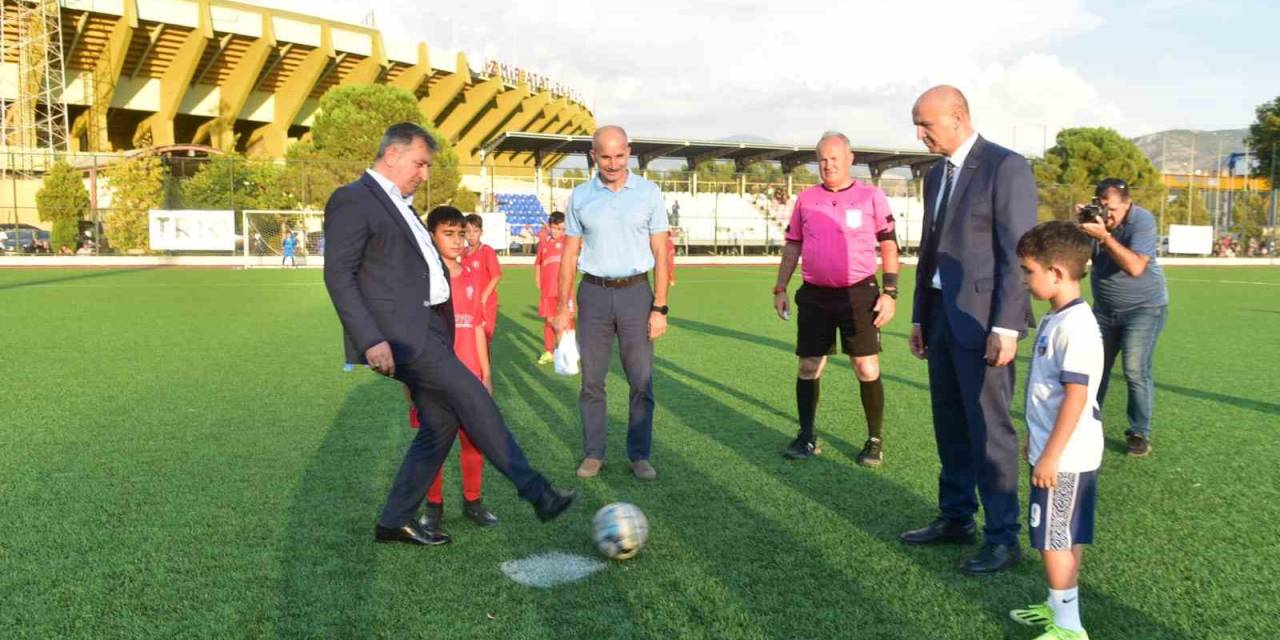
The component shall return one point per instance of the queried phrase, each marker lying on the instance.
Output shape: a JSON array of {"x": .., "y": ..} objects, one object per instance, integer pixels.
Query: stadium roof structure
[{"x": 543, "y": 146}]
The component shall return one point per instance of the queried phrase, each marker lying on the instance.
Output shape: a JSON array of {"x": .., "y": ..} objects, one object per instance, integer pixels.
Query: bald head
[
  {"x": 946, "y": 96},
  {"x": 610, "y": 133},
  {"x": 941, "y": 116},
  {"x": 611, "y": 152}
]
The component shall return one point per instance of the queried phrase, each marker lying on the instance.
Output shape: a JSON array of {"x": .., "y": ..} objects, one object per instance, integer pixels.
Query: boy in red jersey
[
  {"x": 546, "y": 272},
  {"x": 446, "y": 225},
  {"x": 483, "y": 260}
]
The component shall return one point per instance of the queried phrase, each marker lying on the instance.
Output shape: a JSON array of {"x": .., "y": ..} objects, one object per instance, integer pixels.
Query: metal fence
[{"x": 739, "y": 214}]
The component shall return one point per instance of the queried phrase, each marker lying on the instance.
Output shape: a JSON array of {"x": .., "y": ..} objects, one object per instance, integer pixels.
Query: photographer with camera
[{"x": 1130, "y": 299}]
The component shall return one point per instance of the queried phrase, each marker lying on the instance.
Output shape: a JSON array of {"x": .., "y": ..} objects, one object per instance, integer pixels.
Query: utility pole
[
  {"x": 1272, "y": 221},
  {"x": 1191, "y": 178},
  {"x": 1217, "y": 193},
  {"x": 1164, "y": 171}
]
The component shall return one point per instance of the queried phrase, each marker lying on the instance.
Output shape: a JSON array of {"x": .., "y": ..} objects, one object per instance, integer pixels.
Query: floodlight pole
[{"x": 1272, "y": 221}]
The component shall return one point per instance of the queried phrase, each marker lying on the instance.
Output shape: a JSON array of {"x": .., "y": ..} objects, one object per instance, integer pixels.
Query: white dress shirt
[
  {"x": 435, "y": 268},
  {"x": 957, "y": 163}
]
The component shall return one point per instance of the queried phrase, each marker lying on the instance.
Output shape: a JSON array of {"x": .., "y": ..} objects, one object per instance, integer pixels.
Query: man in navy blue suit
[
  {"x": 971, "y": 307},
  {"x": 391, "y": 291}
]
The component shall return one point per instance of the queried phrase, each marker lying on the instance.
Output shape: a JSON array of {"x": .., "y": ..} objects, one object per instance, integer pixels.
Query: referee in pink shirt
[{"x": 836, "y": 227}]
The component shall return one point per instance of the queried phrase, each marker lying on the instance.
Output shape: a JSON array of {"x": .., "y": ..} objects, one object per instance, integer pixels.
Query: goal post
[{"x": 265, "y": 237}]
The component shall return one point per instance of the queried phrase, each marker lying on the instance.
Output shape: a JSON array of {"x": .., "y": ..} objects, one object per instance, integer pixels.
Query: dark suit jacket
[
  {"x": 993, "y": 203},
  {"x": 376, "y": 274}
]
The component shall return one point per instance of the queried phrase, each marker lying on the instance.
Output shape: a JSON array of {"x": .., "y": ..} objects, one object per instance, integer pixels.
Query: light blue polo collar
[{"x": 600, "y": 185}]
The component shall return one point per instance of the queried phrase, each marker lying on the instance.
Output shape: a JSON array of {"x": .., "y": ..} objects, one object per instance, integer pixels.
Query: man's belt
[{"x": 615, "y": 283}]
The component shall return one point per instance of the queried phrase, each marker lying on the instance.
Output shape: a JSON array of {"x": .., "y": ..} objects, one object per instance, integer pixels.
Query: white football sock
[{"x": 1066, "y": 608}]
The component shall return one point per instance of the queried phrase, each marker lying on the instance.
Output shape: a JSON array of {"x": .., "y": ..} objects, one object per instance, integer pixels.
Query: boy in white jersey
[{"x": 1064, "y": 427}]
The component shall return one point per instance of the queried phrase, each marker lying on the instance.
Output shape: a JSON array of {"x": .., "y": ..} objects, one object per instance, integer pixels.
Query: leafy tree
[
  {"x": 466, "y": 200},
  {"x": 63, "y": 200},
  {"x": 232, "y": 182},
  {"x": 1080, "y": 159},
  {"x": 137, "y": 186},
  {"x": 1250, "y": 213},
  {"x": 345, "y": 137},
  {"x": 1264, "y": 137},
  {"x": 1187, "y": 207}
]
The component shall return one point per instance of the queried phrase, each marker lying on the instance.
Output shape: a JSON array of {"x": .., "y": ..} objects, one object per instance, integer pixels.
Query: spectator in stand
[
  {"x": 671, "y": 256},
  {"x": 527, "y": 239},
  {"x": 675, "y": 214}
]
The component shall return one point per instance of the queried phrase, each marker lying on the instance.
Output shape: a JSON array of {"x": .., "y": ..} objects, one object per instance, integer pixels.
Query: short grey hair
[
  {"x": 403, "y": 134},
  {"x": 827, "y": 135}
]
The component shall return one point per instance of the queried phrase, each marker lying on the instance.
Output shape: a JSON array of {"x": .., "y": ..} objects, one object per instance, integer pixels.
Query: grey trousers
[{"x": 602, "y": 314}]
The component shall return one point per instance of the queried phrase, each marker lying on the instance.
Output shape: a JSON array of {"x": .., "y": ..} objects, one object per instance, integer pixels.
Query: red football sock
[
  {"x": 413, "y": 417},
  {"x": 435, "y": 495},
  {"x": 548, "y": 336},
  {"x": 472, "y": 463}
]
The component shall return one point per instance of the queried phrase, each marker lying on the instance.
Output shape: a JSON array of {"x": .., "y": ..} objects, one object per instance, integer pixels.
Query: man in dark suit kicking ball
[
  {"x": 971, "y": 307},
  {"x": 391, "y": 292}
]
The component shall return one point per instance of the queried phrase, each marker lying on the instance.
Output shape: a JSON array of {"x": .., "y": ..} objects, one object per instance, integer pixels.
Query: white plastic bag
[{"x": 566, "y": 356}]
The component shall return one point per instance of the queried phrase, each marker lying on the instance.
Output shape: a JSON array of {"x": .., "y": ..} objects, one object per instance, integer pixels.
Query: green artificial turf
[{"x": 181, "y": 455}]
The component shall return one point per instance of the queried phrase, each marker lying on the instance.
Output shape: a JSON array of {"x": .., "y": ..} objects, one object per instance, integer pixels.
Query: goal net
[{"x": 282, "y": 237}]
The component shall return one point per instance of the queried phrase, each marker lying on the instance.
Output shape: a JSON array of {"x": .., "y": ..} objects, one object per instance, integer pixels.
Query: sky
[{"x": 787, "y": 71}]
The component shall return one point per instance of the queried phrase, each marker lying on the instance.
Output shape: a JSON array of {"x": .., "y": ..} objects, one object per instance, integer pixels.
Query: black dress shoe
[
  {"x": 941, "y": 531},
  {"x": 993, "y": 558},
  {"x": 553, "y": 502},
  {"x": 475, "y": 512},
  {"x": 412, "y": 534}
]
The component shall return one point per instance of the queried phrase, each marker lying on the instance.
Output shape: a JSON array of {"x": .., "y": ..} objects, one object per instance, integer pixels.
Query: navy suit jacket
[
  {"x": 376, "y": 274},
  {"x": 993, "y": 203}
]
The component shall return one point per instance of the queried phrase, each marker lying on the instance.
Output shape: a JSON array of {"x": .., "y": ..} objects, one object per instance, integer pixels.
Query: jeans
[{"x": 1133, "y": 331}]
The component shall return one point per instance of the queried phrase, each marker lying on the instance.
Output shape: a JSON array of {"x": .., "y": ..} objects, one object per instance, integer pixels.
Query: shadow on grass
[
  {"x": 328, "y": 550},
  {"x": 774, "y": 343},
  {"x": 98, "y": 273},
  {"x": 684, "y": 509},
  {"x": 1270, "y": 408},
  {"x": 892, "y": 510}
]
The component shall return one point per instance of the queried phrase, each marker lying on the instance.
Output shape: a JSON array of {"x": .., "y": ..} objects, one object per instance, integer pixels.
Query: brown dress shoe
[
  {"x": 644, "y": 470},
  {"x": 589, "y": 467}
]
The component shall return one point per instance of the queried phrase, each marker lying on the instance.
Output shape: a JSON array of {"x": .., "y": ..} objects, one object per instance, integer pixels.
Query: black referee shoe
[
  {"x": 799, "y": 449},
  {"x": 871, "y": 455}
]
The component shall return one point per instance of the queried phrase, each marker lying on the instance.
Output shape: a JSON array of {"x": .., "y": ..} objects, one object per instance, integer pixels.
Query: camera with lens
[{"x": 1093, "y": 212}]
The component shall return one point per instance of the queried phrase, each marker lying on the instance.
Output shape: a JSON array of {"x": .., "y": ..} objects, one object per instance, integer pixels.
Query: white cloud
[{"x": 784, "y": 71}]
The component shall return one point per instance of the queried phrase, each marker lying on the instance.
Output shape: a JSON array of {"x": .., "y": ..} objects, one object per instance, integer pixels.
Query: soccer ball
[{"x": 620, "y": 529}]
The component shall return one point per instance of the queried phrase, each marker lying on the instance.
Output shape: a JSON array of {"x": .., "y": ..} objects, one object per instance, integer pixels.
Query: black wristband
[{"x": 891, "y": 281}]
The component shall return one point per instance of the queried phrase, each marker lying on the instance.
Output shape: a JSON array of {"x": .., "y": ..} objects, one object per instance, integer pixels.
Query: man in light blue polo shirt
[{"x": 615, "y": 233}]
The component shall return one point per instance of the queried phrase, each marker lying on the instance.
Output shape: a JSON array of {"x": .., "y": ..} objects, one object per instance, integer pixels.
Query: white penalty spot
[{"x": 545, "y": 570}]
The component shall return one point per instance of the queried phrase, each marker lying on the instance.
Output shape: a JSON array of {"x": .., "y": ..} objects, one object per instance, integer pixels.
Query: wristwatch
[
  {"x": 663, "y": 309},
  {"x": 892, "y": 293},
  {"x": 777, "y": 290}
]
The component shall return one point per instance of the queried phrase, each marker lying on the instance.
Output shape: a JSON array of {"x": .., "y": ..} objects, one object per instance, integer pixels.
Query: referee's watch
[
  {"x": 663, "y": 309},
  {"x": 892, "y": 293}
]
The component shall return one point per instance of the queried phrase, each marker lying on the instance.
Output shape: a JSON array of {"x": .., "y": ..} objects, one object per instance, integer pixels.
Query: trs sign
[{"x": 192, "y": 230}]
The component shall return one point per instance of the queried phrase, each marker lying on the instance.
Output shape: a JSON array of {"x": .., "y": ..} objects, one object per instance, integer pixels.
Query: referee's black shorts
[{"x": 850, "y": 310}]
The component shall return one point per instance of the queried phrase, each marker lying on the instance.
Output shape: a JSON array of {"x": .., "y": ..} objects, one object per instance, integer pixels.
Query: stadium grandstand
[
  {"x": 742, "y": 216},
  {"x": 99, "y": 80},
  {"x": 103, "y": 77}
]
